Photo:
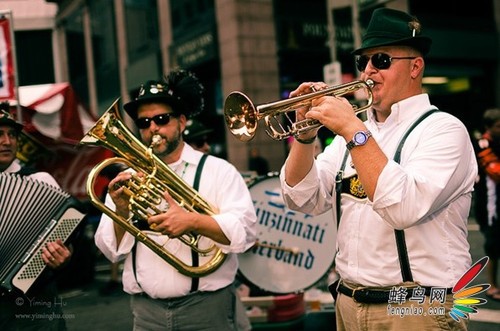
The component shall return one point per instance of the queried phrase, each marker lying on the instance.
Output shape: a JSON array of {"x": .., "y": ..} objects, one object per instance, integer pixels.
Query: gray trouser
[{"x": 196, "y": 311}]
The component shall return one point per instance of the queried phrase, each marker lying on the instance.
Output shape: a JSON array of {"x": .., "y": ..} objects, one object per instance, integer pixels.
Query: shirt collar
[
  {"x": 15, "y": 166},
  {"x": 189, "y": 155},
  {"x": 405, "y": 109}
]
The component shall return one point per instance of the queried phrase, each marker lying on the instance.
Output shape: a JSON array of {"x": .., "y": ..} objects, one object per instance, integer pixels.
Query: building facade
[{"x": 263, "y": 48}]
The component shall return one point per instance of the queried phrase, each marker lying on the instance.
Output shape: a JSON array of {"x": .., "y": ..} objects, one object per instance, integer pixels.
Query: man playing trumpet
[{"x": 402, "y": 213}]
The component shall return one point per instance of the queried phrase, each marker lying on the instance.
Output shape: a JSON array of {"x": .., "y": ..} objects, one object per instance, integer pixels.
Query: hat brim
[
  {"x": 132, "y": 106},
  {"x": 11, "y": 123},
  {"x": 198, "y": 134},
  {"x": 421, "y": 43}
]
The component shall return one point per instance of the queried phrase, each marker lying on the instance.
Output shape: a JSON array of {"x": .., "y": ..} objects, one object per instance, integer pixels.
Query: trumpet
[
  {"x": 146, "y": 192},
  {"x": 242, "y": 115}
]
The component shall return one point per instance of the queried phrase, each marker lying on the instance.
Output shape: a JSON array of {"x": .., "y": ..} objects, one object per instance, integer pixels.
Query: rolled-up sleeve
[
  {"x": 236, "y": 213},
  {"x": 314, "y": 193}
]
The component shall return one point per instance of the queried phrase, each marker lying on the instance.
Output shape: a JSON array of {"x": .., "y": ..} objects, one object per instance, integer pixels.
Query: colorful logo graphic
[{"x": 464, "y": 302}]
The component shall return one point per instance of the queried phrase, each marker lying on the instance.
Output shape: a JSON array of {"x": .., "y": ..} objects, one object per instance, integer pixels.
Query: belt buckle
[{"x": 353, "y": 295}]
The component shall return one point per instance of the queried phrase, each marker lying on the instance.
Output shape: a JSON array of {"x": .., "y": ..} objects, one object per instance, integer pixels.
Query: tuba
[{"x": 146, "y": 192}]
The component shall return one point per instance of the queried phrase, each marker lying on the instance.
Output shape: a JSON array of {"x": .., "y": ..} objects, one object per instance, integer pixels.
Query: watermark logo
[{"x": 464, "y": 302}]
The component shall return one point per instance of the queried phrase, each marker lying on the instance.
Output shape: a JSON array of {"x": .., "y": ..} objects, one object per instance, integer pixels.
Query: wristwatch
[{"x": 360, "y": 138}]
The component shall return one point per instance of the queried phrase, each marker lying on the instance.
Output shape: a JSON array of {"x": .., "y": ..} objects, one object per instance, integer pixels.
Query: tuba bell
[{"x": 146, "y": 192}]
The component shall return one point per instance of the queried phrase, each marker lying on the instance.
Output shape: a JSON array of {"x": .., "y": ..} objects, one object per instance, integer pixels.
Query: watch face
[{"x": 360, "y": 138}]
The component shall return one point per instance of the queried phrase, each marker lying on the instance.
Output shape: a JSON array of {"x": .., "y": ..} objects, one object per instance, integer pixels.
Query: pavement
[{"x": 85, "y": 309}]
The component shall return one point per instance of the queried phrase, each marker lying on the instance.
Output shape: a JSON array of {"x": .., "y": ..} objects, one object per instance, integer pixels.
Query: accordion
[{"x": 32, "y": 214}]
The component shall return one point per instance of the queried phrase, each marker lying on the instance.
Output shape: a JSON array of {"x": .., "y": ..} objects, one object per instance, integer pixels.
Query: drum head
[{"x": 294, "y": 250}]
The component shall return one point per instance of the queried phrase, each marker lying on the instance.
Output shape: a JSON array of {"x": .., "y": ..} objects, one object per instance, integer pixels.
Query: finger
[
  {"x": 45, "y": 257},
  {"x": 168, "y": 198},
  {"x": 301, "y": 89},
  {"x": 53, "y": 251},
  {"x": 114, "y": 185}
]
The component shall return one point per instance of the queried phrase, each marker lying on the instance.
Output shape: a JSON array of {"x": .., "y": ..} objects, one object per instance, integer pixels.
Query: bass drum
[{"x": 293, "y": 250}]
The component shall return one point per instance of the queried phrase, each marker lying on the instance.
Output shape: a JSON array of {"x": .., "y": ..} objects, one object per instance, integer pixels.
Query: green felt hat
[{"x": 393, "y": 27}]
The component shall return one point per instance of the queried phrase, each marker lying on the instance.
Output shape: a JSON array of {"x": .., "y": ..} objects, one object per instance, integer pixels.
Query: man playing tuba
[{"x": 162, "y": 296}]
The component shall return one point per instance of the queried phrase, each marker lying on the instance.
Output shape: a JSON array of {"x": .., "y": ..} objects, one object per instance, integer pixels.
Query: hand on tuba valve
[{"x": 242, "y": 115}]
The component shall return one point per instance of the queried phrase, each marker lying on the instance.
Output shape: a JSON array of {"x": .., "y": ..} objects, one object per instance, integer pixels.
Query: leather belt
[{"x": 377, "y": 296}]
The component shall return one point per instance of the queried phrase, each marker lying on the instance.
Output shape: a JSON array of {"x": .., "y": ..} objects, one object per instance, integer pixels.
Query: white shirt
[
  {"x": 222, "y": 186},
  {"x": 41, "y": 176},
  {"x": 428, "y": 195}
]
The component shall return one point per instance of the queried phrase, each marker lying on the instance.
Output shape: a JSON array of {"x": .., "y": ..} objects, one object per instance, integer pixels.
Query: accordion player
[{"x": 32, "y": 214}]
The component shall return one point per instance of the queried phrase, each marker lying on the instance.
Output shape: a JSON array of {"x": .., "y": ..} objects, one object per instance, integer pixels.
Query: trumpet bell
[{"x": 241, "y": 116}]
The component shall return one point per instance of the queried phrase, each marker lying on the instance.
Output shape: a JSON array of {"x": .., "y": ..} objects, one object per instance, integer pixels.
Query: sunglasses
[
  {"x": 145, "y": 122},
  {"x": 380, "y": 61}
]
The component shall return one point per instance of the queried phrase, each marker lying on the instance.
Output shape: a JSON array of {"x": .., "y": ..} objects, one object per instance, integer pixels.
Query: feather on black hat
[{"x": 179, "y": 89}]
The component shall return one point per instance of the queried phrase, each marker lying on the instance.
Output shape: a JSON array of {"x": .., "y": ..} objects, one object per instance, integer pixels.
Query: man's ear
[{"x": 417, "y": 68}]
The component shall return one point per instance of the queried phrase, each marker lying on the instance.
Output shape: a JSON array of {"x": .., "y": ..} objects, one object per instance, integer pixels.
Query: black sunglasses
[
  {"x": 145, "y": 122},
  {"x": 380, "y": 61}
]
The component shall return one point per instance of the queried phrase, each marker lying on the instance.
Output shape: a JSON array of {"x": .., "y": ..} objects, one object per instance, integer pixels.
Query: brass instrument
[
  {"x": 146, "y": 192},
  {"x": 242, "y": 115}
]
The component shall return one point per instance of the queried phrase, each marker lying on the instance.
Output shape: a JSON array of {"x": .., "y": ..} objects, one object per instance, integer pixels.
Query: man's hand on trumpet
[
  {"x": 335, "y": 113},
  {"x": 300, "y": 112}
]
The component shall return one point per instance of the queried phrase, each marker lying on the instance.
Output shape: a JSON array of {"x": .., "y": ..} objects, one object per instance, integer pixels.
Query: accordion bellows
[{"x": 32, "y": 213}]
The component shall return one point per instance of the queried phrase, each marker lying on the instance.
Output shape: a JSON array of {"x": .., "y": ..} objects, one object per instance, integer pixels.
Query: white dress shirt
[
  {"x": 41, "y": 176},
  {"x": 428, "y": 195},
  {"x": 222, "y": 186}
]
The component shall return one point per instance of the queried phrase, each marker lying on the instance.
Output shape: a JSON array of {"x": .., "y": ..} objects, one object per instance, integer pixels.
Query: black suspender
[
  {"x": 195, "y": 281},
  {"x": 404, "y": 261},
  {"x": 399, "y": 234},
  {"x": 338, "y": 184}
]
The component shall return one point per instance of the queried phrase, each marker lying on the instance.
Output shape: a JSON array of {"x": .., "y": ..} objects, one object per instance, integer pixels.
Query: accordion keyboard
[{"x": 32, "y": 213}]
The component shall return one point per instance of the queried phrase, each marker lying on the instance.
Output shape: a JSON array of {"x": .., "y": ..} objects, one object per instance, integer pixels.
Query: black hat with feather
[{"x": 180, "y": 89}]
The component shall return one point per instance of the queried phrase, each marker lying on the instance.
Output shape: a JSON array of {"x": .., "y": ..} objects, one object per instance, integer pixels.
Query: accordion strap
[{"x": 26, "y": 171}]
